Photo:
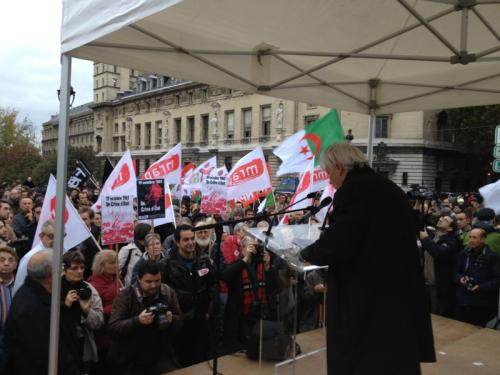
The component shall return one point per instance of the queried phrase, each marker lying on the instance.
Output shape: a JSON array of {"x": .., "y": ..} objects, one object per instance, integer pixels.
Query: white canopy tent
[{"x": 374, "y": 57}]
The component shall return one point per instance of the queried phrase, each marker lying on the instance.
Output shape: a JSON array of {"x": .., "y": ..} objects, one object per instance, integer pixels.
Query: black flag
[
  {"x": 80, "y": 176},
  {"x": 108, "y": 168}
]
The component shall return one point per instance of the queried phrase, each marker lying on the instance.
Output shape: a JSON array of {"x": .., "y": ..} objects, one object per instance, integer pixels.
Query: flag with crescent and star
[{"x": 297, "y": 150}]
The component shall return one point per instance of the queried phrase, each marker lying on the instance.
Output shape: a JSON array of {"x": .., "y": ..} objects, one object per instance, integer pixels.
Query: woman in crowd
[
  {"x": 131, "y": 253},
  {"x": 107, "y": 283},
  {"x": 154, "y": 252}
]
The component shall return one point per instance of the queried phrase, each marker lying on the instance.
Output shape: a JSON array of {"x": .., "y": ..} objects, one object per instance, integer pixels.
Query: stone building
[{"x": 149, "y": 114}]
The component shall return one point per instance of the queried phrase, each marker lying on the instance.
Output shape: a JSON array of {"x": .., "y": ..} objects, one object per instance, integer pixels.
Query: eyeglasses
[{"x": 49, "y": 235}]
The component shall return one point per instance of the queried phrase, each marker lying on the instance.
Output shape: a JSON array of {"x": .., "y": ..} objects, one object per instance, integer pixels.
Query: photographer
[
  {"x": 82, "y": 310},
  {"x": 440, "y": 252},
  {"x": 477, "y": 276},
  {"x": 143, "y": 319}
]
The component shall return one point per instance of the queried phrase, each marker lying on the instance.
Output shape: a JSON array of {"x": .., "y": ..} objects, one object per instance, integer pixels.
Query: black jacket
[
  {"x": 195, "y": 288},
  {"x": 23, "y": 227},
  {"x": 27, "y": 334},
  {"x": 377, "y": 313},
  {"x": 444, "y": 252},
  {"x": 484, "y": 268}
]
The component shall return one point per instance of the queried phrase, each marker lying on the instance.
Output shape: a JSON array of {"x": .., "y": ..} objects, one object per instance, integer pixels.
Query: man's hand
[
  {"x": 146, "y": 318},
  {"x": 248, "y": 250},
  {"x": 475, "y": 288},
  {"x": 423, "y": 235},
  {"x": 29, "y": 215},
  {"x": 85, "y": 305},
  {"x": 71, "y": 297},
  {"x": 319, "y": 288}
]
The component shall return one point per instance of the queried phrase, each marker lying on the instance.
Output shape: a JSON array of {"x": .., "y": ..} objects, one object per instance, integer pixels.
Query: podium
[{"x": 286, "y": 242}]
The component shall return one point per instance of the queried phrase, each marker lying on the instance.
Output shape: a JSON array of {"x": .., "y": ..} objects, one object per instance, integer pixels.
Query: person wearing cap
[{"x": 484, "y": 219}]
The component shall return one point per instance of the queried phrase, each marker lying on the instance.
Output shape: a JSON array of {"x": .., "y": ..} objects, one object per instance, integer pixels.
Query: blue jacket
[{"x": 484, "y": 268}]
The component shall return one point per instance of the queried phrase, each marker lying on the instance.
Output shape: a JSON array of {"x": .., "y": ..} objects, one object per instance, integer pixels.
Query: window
[
  {"x": 148, "y": 133},
  {"x": 124, "y": 127},
  {"x": 138, "y": 134},
  {"x": 124, "y": 145},
  {"x": 137, "y": 167},
  {"x": 132, "y": 73},
  {"x": 102, "y": 82},
  {"x": 146, "y": 164},
  {"x": 228, "y": 162},
  {"x": 115, "y": 144},
  {"x": 204, "y": 94},
  {"x": 405, "y": 179},
  {"x": 96, "y": 97},
  {"x": 177, "y": 99},
  {"x": 229, "y": 118},
  {"x": 265, "y": 114},
  {"x": 158, "y": 132},
  {"x": 204, "y": 127},
  {"x": 114, "y": 69},
  {"x": 309, "y": 120},
  {"x": 381, "y": 126},
  {"x": 96, "y": 84},
  {"x": 116, "y": 127},
  {"x": 190, "y": 97},
  {"x": 247, "y": 122},
  {"x": 190, "y": 129},
  {"x": 177, "y": 126}
]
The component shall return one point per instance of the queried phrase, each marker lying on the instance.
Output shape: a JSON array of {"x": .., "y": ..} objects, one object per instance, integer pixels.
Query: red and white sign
[
  {"x": 304, "y": 188},
  {"x": 193, "y": 180},
  {"x": 167, "y": 167},
  {"x": 328, "y": 192},
  {"x": 213, "y": 194},
  {"x": 249, "y": 175},
  {"x": 121, "y": 181},
  {"x": 118, "y": 217},
  {"x": 75, "y": 229}
]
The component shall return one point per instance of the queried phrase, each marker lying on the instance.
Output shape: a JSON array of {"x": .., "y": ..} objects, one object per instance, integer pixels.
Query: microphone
[
  {"x": 326, "y": 216},
  {"x": 313, "y": 210}
]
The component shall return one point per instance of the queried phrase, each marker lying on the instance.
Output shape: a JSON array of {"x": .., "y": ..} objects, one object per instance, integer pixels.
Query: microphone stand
[{"x": 218, "y": 228}]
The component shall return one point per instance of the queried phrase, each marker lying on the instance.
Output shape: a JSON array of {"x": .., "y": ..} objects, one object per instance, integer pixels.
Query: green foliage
[
  {"x": 49, "y": 164},
  {"x": 19, "y": 154}
]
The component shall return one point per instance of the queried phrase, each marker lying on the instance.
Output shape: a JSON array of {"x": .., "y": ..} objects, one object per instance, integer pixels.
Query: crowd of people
[{"x": 154, "y": 304}]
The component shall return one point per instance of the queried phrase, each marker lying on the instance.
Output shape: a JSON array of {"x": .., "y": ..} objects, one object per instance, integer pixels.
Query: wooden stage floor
[{"x": 460, "y": 349}]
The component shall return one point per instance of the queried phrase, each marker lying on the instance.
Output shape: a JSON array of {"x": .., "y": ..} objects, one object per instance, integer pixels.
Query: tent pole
[
  {"x": 371, "y": 131},
  {"x": 62, "y": 160}
]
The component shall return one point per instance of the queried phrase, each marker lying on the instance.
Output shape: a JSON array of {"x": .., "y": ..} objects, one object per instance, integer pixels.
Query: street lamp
[{"x": 72, "y": 94}]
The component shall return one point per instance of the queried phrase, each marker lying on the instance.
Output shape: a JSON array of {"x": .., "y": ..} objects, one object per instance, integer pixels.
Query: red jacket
[{"x": 108, "y": 290}]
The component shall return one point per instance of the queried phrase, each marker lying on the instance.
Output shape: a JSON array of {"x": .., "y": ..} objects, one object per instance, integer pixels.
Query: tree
[
  {"x": 49, "y": 164},
  {"x": 19, "y": 153}
]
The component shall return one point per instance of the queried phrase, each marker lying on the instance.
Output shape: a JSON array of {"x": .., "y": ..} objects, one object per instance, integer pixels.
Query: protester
[
  {"x": 154, "y": 252},
  {"x": 440, "y": 256},
  {"x": 485, "y": 218},
  {"x": 8, "y": 264},
  {"x": 192, "y": 277},
  {"x": 107, "y": 283},
  {"x": 143, "y": 320},
  {"x": 464, "y": 227},
  {"x": 28, "y": 325},
  {"x": 131, "y": 253},
  {"x": 376, "y": 304},
  {"x": 477, "y": 277},
  {"x": 24, "y": 223},
  {"x": 89, "y": 247}
]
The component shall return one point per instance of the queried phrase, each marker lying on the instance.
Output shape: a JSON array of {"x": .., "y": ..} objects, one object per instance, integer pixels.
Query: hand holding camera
[
  {"x": 146, "y": 318},
  {"x": 71, "y": 297}
]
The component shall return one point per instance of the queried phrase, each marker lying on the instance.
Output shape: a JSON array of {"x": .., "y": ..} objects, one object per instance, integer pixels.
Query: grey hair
[
  {"x": 46, "y": 225},
  {"x": 150, "y": 237},
  {"x": 240, "y": 226},
  {"x": 40, "y": 267},
  {"x": 344, "y": 154}
]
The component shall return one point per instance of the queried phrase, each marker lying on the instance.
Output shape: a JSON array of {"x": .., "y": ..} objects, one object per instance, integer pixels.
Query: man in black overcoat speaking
[{"x": 378, "y": 319}]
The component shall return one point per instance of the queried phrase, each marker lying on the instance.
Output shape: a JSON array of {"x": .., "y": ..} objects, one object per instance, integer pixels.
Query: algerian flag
[
  {"x": 297, "y": 150},
  {"x": 267, "y": 202}
]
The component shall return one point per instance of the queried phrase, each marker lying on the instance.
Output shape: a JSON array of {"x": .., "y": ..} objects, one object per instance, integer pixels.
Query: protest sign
[
  {"x": 150, "y": 199},
  {"x": 117, "y": 219},
  {"x": 213, "y": 195}
]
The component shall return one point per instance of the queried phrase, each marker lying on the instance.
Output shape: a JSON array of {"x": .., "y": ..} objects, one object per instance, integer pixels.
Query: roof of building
[{"x": 77, "y": 111}]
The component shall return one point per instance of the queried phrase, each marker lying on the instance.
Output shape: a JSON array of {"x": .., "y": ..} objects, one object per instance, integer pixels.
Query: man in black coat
[
  {"x": 28, "y": 325},
  {"x": 377, "y": 313}
]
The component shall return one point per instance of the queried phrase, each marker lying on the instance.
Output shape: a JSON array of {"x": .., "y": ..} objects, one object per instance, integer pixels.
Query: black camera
[
  {"x": 159, "y": 310},
  {"x": 469, "y": 283},
  {"x": 83, "y": 291}
]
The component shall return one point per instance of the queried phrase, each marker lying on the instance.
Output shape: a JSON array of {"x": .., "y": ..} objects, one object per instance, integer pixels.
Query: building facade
[{"x": 149, "y": 114}]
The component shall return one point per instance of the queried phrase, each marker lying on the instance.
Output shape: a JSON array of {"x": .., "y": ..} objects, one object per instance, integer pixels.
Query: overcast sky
[{"x": 29, "y": 59}]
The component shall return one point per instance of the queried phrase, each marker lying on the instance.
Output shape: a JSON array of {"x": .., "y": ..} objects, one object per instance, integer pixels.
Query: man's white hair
[{"x": 343, "y": 154}]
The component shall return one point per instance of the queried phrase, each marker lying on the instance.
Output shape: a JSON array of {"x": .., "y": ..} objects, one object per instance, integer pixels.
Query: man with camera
[
  {"x": 477, "y": 277},
  {"x": 143, "y": 320},
  {"x": 192, "y": 277},
  {"x": 440, "y": 251}
]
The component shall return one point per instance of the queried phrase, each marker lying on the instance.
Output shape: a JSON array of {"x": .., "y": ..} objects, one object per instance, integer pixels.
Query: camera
[
  {"x": 469, "y": 283},
  {"x": 159, "y": 310},
  {"x": 83, "y": 291}
]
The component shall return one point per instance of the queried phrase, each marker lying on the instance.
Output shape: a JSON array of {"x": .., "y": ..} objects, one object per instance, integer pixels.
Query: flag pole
[{"x": 62, "y": 162}]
